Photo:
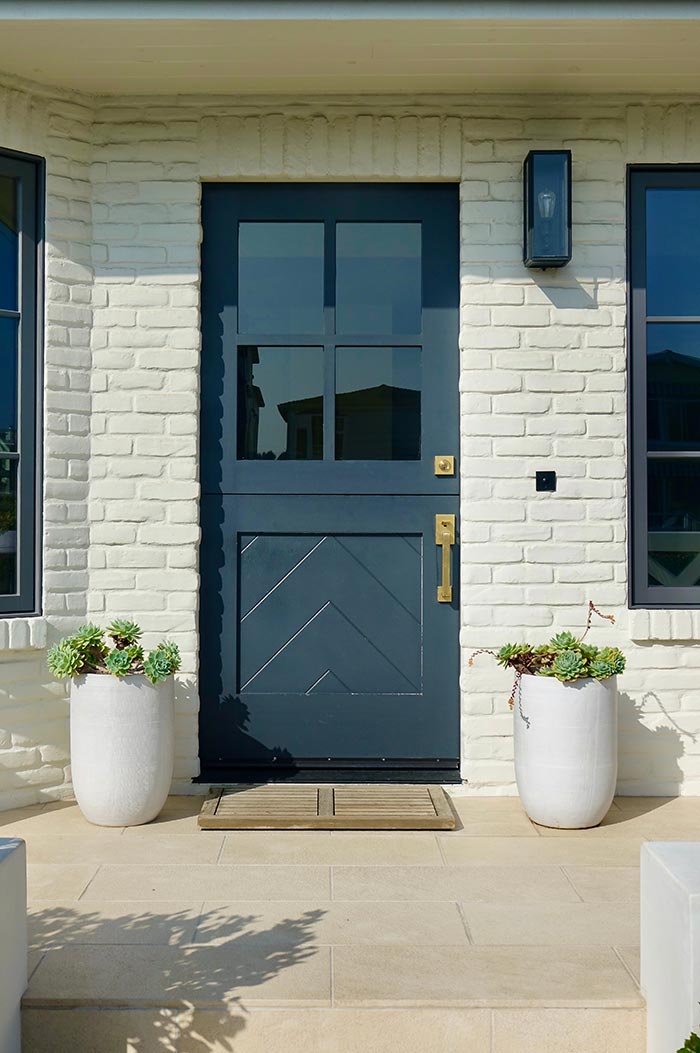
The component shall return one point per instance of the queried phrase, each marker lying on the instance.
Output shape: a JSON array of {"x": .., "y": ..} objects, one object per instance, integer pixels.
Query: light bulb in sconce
[{"x": 546, "y": 203}]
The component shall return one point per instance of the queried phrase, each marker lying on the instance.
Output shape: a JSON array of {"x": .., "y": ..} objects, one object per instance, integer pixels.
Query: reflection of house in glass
[
  {"x": 673, "y": 398},
  {"x": 266, "y": 375},
  {"x": 304, "y": 420},
  {"x": 673, "y": 411},
  {"x": 8, "y": 440},
  {"x": 250, "y": 402},
  {"x": 377, "y": 423}
]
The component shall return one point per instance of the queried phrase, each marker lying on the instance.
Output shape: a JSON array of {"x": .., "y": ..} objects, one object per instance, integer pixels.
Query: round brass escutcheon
[{"x": 444, "y": 464}]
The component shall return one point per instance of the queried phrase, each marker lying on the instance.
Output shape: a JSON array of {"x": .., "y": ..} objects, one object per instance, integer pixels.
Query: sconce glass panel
[{"x": 547, "y": 208}]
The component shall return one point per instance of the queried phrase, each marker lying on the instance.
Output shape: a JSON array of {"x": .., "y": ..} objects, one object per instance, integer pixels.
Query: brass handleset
[{"x": 445, "y": 527}]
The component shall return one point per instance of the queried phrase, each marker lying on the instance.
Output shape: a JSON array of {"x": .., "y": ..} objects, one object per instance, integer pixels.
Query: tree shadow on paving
[{"x": 185, "y": 977}]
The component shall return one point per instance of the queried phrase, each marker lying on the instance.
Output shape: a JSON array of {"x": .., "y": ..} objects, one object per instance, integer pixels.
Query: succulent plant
[
  {"x": 87, "y": 652},
  {"x": 600, "y": 669},
  {"x": 615, "y": 657},
  {"x": 566, "y": 657},
  {"x": 171, "y": 652},
  {"x": 544, "y": 650},
  {"x": 64, "y": 659},
  {"x": 122, "y": 662},
  {"x": 118, "y": 663},
  {"x": 123, "y": 632},
  {"x": 509, "y": 653},
  {"x": 692, "y": 1044},
  {"x": 565, "y": 641},
  {"x": 569, "y": 665},
  {"x": 589, "y": 651},
  {"x": 158, "y": 666},
  {"x": 89, "y": 636}
]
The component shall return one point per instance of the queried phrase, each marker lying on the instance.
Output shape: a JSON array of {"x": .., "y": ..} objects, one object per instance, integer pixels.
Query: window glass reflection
[
  {"x": 674, "y": 522},
  {"x": 8, "y": 527},
  {"x": 378, "y": 403},
  {"x": 8, "y": 384},
  {"x": 280, "y": 278},
  {"x": 9, "y": 244},
  {"x": 673, "y": 251},
  {"x": 280, "y": 403},
  {"x": 673, "y": 385},
  {"x": 378, "y": 278}
]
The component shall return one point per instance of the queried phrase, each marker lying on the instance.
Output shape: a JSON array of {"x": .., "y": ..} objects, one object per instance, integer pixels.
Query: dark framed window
[
  {"x": 664, "y": 406},
  {"x": 21, "y": 184}
]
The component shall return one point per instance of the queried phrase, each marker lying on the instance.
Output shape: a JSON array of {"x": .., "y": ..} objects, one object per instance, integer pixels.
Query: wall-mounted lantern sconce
[{"x": 547, "y": 208}]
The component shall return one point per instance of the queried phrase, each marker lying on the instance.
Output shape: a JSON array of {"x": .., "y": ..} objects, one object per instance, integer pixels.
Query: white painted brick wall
[
  {"x": 33, "y": 710},
  {"x": 542, "y": 380}
]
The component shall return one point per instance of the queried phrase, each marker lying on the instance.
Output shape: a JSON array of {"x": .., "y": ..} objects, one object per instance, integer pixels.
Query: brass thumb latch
[{"x": 445, "y": 536}]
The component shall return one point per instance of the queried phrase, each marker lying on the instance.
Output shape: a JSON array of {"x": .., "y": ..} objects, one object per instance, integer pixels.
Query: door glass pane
[
  {"x": 378, "y": 278},
  {"x": 8, "y": 244},
  {"x": 674, "y": 522},
  {"x": 377, "y": 403},
  {"x": 8, "y": 527},
  {"x": 280, "y": 403},
  {"x": 673, "y": 385},
  {"x": 280, "y": 278},
  {"x": 673, "y": 251},
  {"x": 8, "y": 384}
]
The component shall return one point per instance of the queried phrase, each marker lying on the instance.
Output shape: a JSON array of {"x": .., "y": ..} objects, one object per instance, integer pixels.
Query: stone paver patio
[{"x": 500, "y": 936}]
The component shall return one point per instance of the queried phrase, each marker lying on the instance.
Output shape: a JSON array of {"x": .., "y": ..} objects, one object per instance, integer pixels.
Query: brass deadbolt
[{"x": 444, "y": 465}]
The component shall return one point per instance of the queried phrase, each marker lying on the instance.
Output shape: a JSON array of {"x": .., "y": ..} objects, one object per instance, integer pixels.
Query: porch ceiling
[{"x": 349, "y": 54}]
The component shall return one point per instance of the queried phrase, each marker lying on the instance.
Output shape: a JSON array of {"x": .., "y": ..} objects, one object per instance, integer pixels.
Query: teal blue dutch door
[{"x": 329, "y": 467}]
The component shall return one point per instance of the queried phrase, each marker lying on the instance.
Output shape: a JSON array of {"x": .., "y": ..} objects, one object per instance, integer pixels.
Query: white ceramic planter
[
  {"x": 566, "y": 750},
  {"x": 122, "y": 747}
]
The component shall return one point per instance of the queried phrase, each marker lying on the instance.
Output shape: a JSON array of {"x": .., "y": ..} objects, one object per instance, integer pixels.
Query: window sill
[
  {"x": 22, "y": 633},
  {"x": 668, "y": 626}
]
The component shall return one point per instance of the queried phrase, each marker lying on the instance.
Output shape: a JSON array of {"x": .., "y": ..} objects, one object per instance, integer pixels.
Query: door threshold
[{"x": 321, "y": 776}]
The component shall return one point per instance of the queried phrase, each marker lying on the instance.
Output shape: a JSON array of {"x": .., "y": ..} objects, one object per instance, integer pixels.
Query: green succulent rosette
[
  {"x": 511, "y": 652},
  {"x": 569, "y": 665},
  {"x": 565, "y": 641},
  {"x": 615, "y": 658}
]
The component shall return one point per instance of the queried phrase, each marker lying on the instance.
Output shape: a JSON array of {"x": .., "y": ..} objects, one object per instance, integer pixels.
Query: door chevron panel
[
  {"x": 285, "y": 645},
  {"x": 329, "y": 683},
  {"x": 269, "y": 565},
  {"x": 330, "y": 615}
]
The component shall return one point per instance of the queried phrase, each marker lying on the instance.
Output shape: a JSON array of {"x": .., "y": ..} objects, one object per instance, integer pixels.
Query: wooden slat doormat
[{"x": 346, "y": 807}]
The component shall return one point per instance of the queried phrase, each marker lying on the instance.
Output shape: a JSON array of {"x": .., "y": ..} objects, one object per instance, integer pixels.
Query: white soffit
[{"x": 268, "y": 48}]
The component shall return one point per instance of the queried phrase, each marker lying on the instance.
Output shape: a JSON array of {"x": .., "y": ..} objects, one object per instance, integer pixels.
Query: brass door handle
[{"x": 445, "y": 527}]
